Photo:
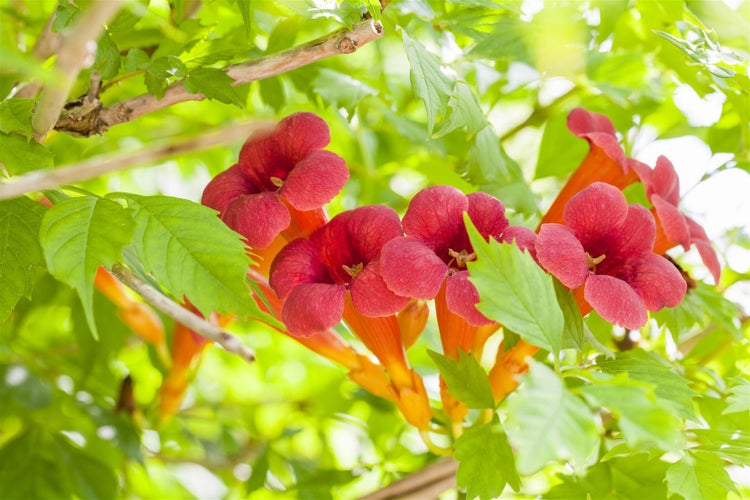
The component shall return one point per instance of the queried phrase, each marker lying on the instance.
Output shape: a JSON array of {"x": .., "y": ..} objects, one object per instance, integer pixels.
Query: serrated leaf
[
  {"x": 573, "y": 335},
  {"x": 246, "y": 11},
  {"x": 486, "y": 462},
  {"x": 214, "y": 84},
  {"x": 427, "y": 80},
  {"x": 546, "y": 422},
  {"x": 79, "y": 235},
  {"x": 516, "y": 292},
  {"x": 647, "y": 367},
  {"x": 643, "y": 419},
  {"x": 466, "y": 379},
  {"x": 465, "y": 112},
  {"x": 192, "y": 253},
  {"x": 20, "y": 252},
  {"x": 699, "y": 474},
  {"x": 739, "y": 400},
  {"x": 20, "y": 155},
  {"x": 15, "y": 115},
  {"x": 340, "y": 90},
  {"x": 160, "y": 71}
]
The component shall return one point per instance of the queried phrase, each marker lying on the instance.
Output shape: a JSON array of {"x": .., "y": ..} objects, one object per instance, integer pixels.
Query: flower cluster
[{"x": 376, "y": 272}]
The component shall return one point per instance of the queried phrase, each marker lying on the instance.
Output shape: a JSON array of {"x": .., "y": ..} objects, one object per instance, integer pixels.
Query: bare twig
[
  {"x": 77, "y": 51},
  {"x": 98, "y": 120},
  {"x": 40, "y": 180},
  {"x": 229, "y": 342},
  {"x": 429, "y": 482}
]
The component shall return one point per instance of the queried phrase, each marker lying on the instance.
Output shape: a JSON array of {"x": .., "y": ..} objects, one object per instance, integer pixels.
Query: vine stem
[
  {"x": 77, "y": 51},
  {"x": 228, "y": 341},
  {"x": 85, "y": 122},
  {"x": 40, "y": 180}
]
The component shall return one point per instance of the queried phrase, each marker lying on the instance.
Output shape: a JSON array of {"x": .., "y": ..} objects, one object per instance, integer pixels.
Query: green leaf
[
  {"x": 273, "y": 93},
  {"x": 516, "y": 292},
  {"x": 546, "y": 422},
  {"x": 136, "y": 60},
  {"x": 427, "y": 80},
  {"x": 20, "y": 252},
  {"x": 107, "y": 57},
  {"x": 466, "y": 379},
  {"x": 643, "y": 419},
  {"x": 738, "y": 401},
  {"x": 465, "y": 112},
  {"x": 699, "y": 474},
  {"x": 246, "y": 10},
  {"x": 340, "y": 90},
  {"x": 649, "y": 368},
  {"x": 15, "y": 116},
  {"x": 560, "y": 152},
  {"x": 573, "y": 334},
  {"x": 493, "y": 171},
  {"x": 160, "y": 72},
  {"x": 214, "y": 84},
  {"x": 79, "y": 235},
  {"x": 20, "y": 155},
  {"x": 192, "y": 253},
  {"x": 486, "y": 462}
]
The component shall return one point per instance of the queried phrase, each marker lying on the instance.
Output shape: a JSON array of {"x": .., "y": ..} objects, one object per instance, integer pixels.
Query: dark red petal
[
  {"x": 658, "y": 282},
  {"x": 257, "y": 217},
  {"x": 581, "y": 122},
  {"x": 561, "y": 254},
  {"x": 594, "y": 211},
  {"x": 523, "y": 237},
  {"x": 665, "y": 181},
  {"x": 633, "y": 238},
  {"x": 297, "y": 263},
  {"x": 706, "y": 251},
  {"x": 313, "y": 308},
  {"x": 435, "y": 217},
  {"x": 225, "y": 188},
  {"x": 301, "y": 133},
  {"x": 461, "y": 297},
  {"x": 356, "y": 236},
  {"x": 410, "y": 269},
  {"x": 371, "y": 296},
  {"x": 672, "y": 221},
  {"x": 487, "y": 213},
  {"x": 315, "y": 180},
  {"x": 615, "y": 301}
]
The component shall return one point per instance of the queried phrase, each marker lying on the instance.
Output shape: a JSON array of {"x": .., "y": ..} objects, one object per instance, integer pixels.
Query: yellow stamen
[
  {"x": 353, "y": 270},
  {"x": 594, "y": 261},
  {"x": 276, "y": 181},
  {"x": 461, "y": 258}
]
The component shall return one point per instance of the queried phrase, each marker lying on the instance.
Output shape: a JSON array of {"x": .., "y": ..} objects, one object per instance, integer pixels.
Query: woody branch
[{"x": 99, "y": 119}]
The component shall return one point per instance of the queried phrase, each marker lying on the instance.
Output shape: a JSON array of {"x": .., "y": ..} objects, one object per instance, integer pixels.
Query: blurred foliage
[{"x": 470, "y": 93}]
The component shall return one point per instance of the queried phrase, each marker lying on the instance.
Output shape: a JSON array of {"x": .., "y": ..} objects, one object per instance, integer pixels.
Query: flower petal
[
  {"x": 315, "y": 180},
  {"x": 658, "y": 282},
  {"x": 562, "y": 255},
  {"x": 371, "y": 296},
  {"x": 461, "y": 297},
  {"x": 523, "y": 237},
  {"x": 296, "y": 264},
  {"x": 628, "y": 241},
  {"x": 672, "y": 221},
  {"x": 706, "y": 251},
  {"x": 435, "y": 217},
  {"x": 582, "y": 122},
  {"x": 593, "y": 212},
  {"x": 487, "y": 213},
  {"x": 665, "y": 181},
  {"x": 313, "y": 308},
  {"x": 411, "y": 269},
  {"x": 258, "y": 217},
  {"x": 615, "y": 301},
  {"x": 355, "y": 236},
  {"x": 301, "y": 133},
  {"x": 225, "y": 188}
]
